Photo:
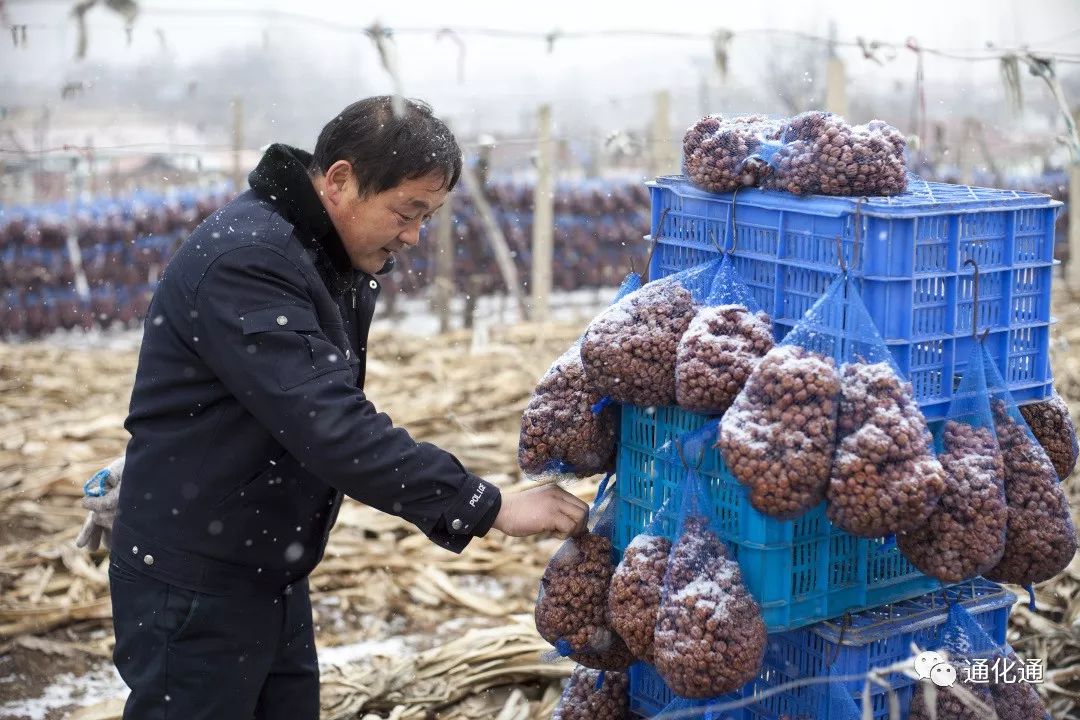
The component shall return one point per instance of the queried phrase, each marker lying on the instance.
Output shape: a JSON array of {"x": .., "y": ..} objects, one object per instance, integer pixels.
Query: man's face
[{"x": 374, "y": 227}]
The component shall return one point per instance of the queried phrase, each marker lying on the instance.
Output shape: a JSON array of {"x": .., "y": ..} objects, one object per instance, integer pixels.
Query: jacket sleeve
[{"x": 256, "y": 328}]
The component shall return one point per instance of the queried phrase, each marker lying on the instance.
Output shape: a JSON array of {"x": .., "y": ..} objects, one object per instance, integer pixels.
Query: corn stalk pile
[{"x": 446, "y": 636}]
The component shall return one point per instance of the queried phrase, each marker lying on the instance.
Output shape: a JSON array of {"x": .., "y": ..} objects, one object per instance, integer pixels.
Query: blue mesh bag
[
  {"x": 567, "y": 428},
  {"x": 1040, "y": 538},
  {"x": 710, "y": 637},
  {"x": 724, "y": 342},
  {"x": 819, "y": 153},
  {"x": 1013, "y": 696},
  {"x": 965, "y": 644},
  {"x": 779, "y": 435},
  {"x": 594, "y": 695},
  {"x": 885, "y": 477},
  {"x": 1053, "y": 427},
  {"x": 629, "y": 350},
  {"x": 572, "y": 605},
  {"x": 634, "y": 598},
  {"x": 965, "y": 535}
]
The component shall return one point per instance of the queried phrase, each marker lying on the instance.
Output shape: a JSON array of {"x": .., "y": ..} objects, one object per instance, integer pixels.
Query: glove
[{"x": 102, "y": 493}]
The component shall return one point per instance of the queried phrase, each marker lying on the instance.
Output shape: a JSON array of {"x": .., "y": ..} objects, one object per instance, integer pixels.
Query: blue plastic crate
[
  {"x": 910, "y": 266},
  {"x": 800, "y": 571},
  {"x": 872, "y": 639}
]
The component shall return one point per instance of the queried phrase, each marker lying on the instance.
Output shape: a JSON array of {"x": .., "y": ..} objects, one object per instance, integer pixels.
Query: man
[{"x": 249, "y": 422}]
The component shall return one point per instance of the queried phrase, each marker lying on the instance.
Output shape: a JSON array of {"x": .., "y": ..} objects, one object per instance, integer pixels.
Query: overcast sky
[
  {"x": 191, "y": 36},
  {"x": 521, "y": 70}
]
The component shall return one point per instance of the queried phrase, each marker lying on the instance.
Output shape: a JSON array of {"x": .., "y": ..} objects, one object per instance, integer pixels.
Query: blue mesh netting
[
  {"x": 839, "y": 326},
  {"x": 701, "y": 577},
  {"x": 694, "y": 500},
  {"x": 602, "y": 649},
  {"x": 1001, "y": 399},
  {"x": 558, "y": 463},
  {"x": 693, "y": 445},
  {"x": 728, "y": 288},
  {"x": 971, "y": 401},
  {"x": 698, "y": 280},
  {"x": 963, "y": 638},
  {"x": 841, "y": 705},
  {"x": 602, "y": 512},
  {"x": 630, "y": 283},
  {"x": 1042, "y": 538},
  {"x": 965, "y": 535}
]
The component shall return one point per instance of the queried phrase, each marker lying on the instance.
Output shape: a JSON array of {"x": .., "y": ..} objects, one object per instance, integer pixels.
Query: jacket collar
[{"x": 281, "y": 178}]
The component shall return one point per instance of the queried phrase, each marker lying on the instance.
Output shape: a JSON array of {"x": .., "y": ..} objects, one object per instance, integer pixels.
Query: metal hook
[
  {"x": 845, "y": 623},
  {"x": 701, "y": 456},
  {"x": 712, "y": 237},
  {"x": 975, "y": 299},
  {"x": 655, "y": 242},
  {"x": 840, "y": 254},
  {"x": 734, "y": 230}
]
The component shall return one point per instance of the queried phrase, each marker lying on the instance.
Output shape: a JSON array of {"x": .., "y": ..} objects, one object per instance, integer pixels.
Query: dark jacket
[{"x": 248, "y": 418}]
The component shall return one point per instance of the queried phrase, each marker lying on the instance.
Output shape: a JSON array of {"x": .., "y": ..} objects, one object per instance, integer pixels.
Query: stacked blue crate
[
  {"x": 853, "y": 645},
  {"x": 799, "y": 571},
  {"x": 910, "y": 263}
]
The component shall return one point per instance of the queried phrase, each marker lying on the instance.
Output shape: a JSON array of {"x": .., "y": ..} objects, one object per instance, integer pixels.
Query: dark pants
[{"x": 192, "y": 656}]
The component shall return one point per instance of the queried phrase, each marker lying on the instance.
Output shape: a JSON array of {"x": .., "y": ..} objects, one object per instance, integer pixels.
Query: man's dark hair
[{"x": 384, "y": 149}]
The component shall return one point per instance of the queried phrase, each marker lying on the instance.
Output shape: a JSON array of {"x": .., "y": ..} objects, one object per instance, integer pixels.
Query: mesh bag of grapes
[
  {"x": 965, "y": 644},
  {"x": 779, "y": 435},
  {"x": 1040, "y": 538},
  {"x": 567, "y": 428},
  {"x": 1014, "y": 696},
  {"x": 594, "y": 695},
  {"x": 629, "y": 350},
  {"x": 885, "y": 477},
  {"x": 965, "y": 534},
  {"x": 634, "y": 598},
  {"x": 819, "y": 153},
  {"x": 726, "y": 339},
  {"x": 1053, "y": 427},
  {"x": 710, "y": 637},
  {"x": 636, "y": 586},
  {"x": 723, "y": 154},
  {"x": 572, "y": 606}
]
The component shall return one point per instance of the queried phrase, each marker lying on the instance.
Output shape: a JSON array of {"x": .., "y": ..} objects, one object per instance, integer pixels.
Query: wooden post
[
  {"x": 1071, "y": 265},
  {"x": 836, "y": 87},
  {"x": 1072, "y": 262},
  {"x": 471, "y": 296},
  {"x": 661, "y": 160},
  {"x": 238, "y": 144},
  {"x": 965, "y": 154},
  {"x": 444, "y": 264},
  {"x": 543, "y": 219},
  {"x": 494, "y": 236},
  {"x": 835, "y": 78}
]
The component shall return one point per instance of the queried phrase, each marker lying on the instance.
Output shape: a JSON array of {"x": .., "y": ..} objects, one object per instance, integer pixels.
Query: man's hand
[
  {"x": 102, "y": 495},
  {"x": 547, "y": 508}
]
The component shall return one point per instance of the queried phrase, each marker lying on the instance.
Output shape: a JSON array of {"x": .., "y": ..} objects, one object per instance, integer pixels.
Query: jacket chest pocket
[{"x": 292, "y": 334}]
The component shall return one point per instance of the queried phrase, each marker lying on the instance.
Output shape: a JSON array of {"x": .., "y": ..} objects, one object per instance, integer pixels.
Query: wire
[
  {"x": 553, "y": 36},
  {"x": 180, "y": 147},
  {"x": 100, "y": 148}
]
